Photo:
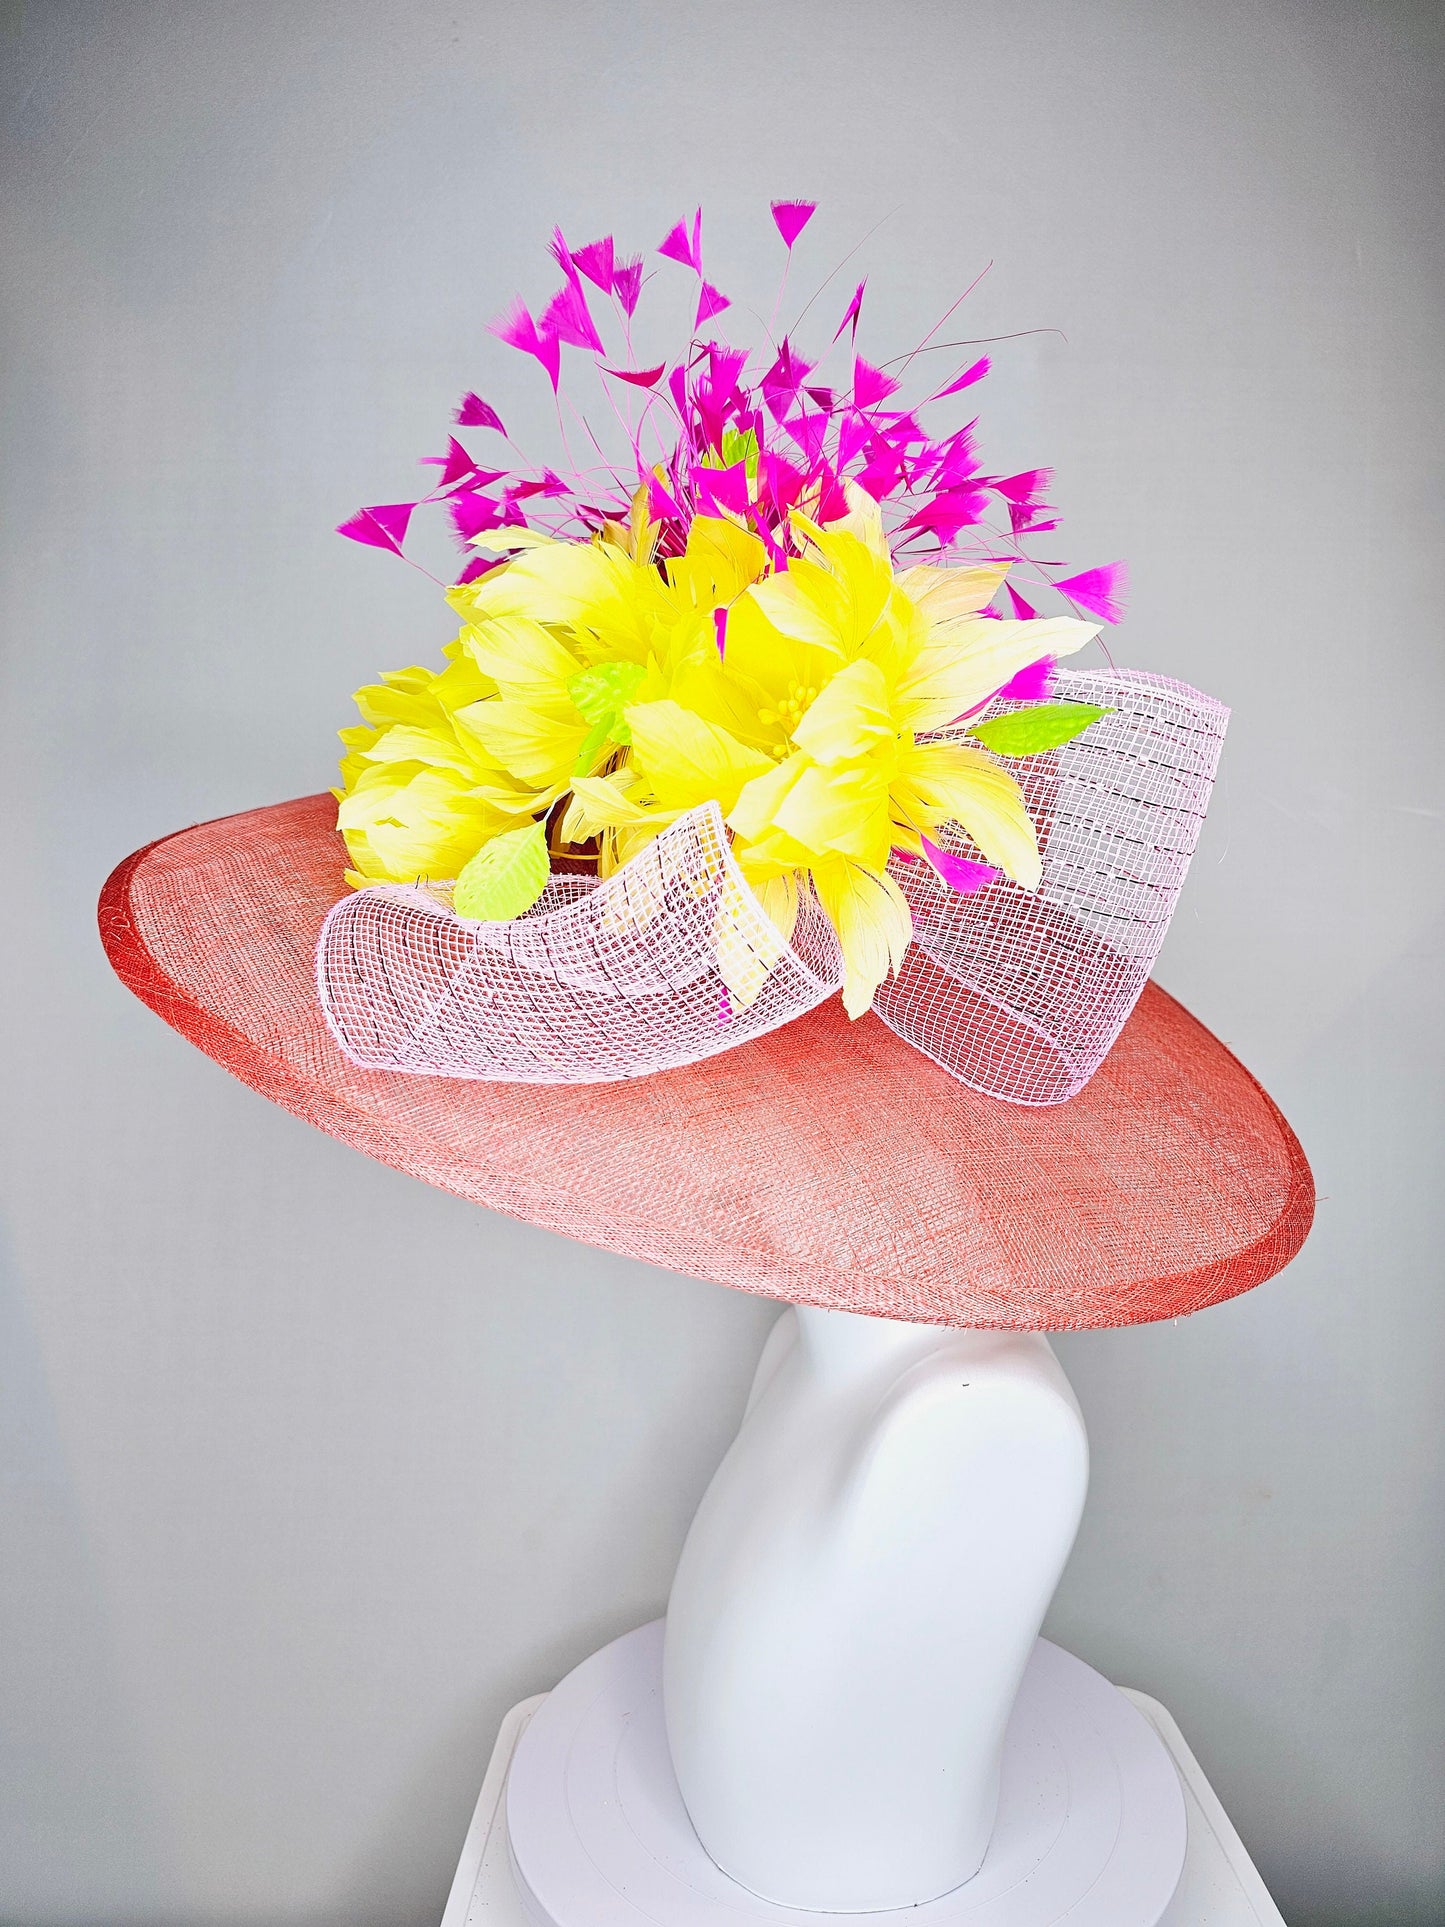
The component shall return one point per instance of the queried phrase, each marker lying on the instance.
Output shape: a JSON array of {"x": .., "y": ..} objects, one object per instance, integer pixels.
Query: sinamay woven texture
[{"x": 827, "y": 1162}]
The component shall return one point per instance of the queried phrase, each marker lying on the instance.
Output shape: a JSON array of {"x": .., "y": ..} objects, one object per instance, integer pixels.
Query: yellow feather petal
[
  {"x": 802, "y": 604},
  {"x": 967, "y": 659},
  {"x": 407, "y": 743},
  {"x": 539, "y": 749},
  {"x": 778, "y": 896},
  {"x": 746, "y": 953},
  {"x": 874, "y": 927},
  {"x": 843, "y": 810},
  {"x": 564, "y": 582},
  {"x": 864, "y": 519},
  {"x": 950, "y": 782},
  {"x": 599, "y": 803},
  {"x": 399, "y": 827},
  {"x": 721, "y": 560},
  {"x": 942, "y": 594},
  {"x": 760, "y": 799},
  {"x": 686, "y": 759},
  {"x": 524, "y": 660},
  {"x": 849, "y": 718}
]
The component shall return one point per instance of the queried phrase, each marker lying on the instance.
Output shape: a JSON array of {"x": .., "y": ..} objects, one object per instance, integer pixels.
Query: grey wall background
[{"x": 308, "y": 1472}]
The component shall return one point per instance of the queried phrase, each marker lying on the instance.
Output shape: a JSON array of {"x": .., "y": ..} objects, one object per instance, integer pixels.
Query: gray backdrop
[{"x": 308, "y": 1471}]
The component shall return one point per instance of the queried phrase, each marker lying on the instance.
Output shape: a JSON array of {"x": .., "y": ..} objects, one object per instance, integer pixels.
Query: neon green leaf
[
  {"x": 740, "y": 446},
  {"x": 600, "y": 695},
  {"x": 505, "y": 877},
  {"x": 1042, "y": 726}
]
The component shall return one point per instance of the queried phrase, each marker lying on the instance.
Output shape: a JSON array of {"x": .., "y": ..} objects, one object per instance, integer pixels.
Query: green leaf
[
  {"x": 600, "y": 692},
  {"x": 600, "y": 695},
  {"x": 505, "y": 877},
  {"x": 1041, "y": 726},
  {"x": 740, "y": 446}
]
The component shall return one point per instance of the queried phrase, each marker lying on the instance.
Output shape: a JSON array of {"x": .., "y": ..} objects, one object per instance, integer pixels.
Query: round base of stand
[{"x": 1091, "y": 1823}]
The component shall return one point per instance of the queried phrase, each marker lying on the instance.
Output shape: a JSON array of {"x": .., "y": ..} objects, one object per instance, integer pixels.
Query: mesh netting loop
[{"x": 1021, "y": 995}]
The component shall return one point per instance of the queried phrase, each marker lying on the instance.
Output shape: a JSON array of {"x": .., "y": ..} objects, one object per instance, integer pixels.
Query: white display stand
[
  {"x": 856, "y": 1602},
  {"x": 1090, "y": 1825},
  {"x": 848, "y": 1713},
  {"x": 1219, "y": 1886}
]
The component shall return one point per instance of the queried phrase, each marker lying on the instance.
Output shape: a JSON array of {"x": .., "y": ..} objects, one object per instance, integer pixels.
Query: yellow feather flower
[
  {"x": 832, "y": 674},
  {"x": 418, "y": 798}
]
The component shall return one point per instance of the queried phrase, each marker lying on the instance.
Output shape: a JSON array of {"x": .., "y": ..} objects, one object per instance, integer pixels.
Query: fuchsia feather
[
  {"x": 547, "y": 483},
  {"x": 721, "y": 491},
  {"x": 965, "y": 874},
  {"x": 966, "y": 380},
  {"x": 639, "y": 377},
  {"x": 472, "y": 514},
  {"x": 782, "y": 381},
  {"x": 870, "y": 384},
  {"x": 710, "y": 301},
  {"x": 1030, "y": 685},
  {"x": 568, "y": 317},
  {"x": 381, "y": 527},
  {"x": 1027, "y": 487},
  {"x": 1100, "y": 591},
  {"x": 661, "y": 500},
  {"x": 678, "y": 245},
  {"x": 750, "y": 438},
  {"x": 627, "y": 283},
  {"x": 948, "y": 512},
  {"x": 791, "y": 217},
  {"x": 855, "y": 431},
  {"x": 596, "y": 262},
  {"x": 516, "y": 327},
  {"x": 809, "y": 432},
  {"x": 457, "y": 466},
  {"x": 473, "y": 412},
  {"x": 724, "y": 366},
  {"x": 853, "y": 310}
]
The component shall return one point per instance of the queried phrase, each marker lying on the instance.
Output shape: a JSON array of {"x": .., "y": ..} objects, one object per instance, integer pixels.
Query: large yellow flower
[
  {"x": 572, "y": 634},
  {"x": 810, "y": 741},
  {"x": 554, "y": 646},
  {"x": 418, "y": 796}
]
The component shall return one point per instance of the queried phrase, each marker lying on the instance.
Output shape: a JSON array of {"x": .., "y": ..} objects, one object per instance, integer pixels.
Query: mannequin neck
[{"x": 842, "y": 1347}]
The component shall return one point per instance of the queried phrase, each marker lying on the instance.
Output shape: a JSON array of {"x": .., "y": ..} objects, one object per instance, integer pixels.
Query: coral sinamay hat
[
  {"x": 827, "y": 1163},
  {"x": 727, "y": 733}
]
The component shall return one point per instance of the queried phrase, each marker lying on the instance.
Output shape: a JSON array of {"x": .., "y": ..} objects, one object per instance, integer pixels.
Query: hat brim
[{"x": 828, "y": 1163}]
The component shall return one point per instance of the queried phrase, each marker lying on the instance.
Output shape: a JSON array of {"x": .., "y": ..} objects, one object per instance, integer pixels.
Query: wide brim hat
[{"x": 828, "y": 1163}]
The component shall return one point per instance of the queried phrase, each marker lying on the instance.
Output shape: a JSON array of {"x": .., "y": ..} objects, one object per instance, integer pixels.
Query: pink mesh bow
[{"x": 672, "y": 959}]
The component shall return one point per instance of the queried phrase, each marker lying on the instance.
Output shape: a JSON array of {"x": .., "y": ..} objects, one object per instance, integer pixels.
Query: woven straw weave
[{"x": 827, "y": 1163}]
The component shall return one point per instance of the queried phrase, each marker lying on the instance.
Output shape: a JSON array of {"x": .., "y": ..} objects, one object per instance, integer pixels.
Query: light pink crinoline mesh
[
  {"x": 670, "y": 960},
  {"x": 1021, "y": 995}
]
